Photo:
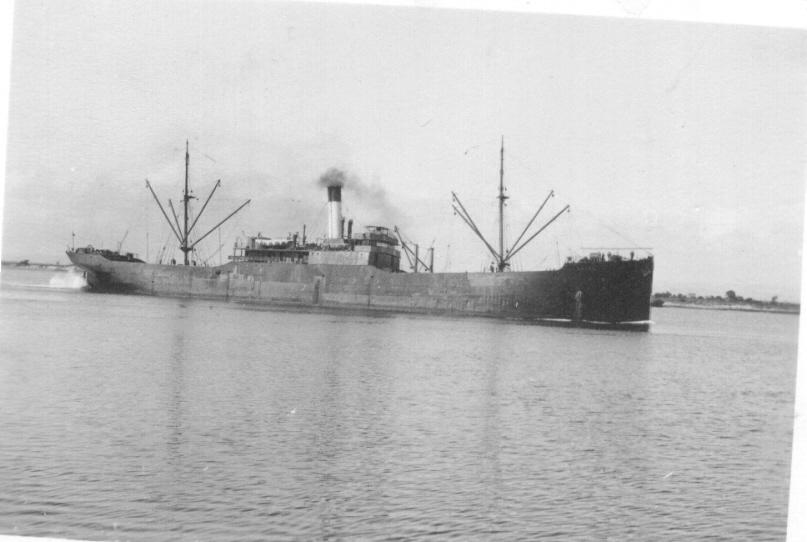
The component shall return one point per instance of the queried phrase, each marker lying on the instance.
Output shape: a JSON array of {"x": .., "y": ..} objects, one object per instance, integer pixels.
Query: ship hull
[{"x": 604, "y": 294}]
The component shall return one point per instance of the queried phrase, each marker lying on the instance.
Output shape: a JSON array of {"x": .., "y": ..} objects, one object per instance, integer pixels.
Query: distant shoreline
[
  {"x": 730, "y": 302},
  {"x": 25, "y": 265},
  {"x": 736, "y": 307}
]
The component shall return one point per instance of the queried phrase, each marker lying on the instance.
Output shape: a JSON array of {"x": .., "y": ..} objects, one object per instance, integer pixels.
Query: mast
[
  {"x": 182, "y": 233},
  {"x": 502, "y": 262},
  {"x": 503, "y": 256},
  {"x": 185, "y": 200}
]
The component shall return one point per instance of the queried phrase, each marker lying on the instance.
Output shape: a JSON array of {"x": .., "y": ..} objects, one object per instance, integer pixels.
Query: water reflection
[
  {"x": 146, "y": 419},
  {"x": 176, "y": 406}
]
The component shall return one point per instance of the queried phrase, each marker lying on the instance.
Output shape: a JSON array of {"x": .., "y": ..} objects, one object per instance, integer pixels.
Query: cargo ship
[{"x": 349, "y": 270}]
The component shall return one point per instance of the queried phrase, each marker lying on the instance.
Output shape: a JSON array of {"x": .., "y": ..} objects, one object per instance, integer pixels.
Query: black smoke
[
  {"x": 368, "y": 200},
  {"x": 333, "y": 177}
]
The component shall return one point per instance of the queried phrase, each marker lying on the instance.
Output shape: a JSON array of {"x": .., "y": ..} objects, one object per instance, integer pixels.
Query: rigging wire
[
  {"x": 316, "y": 224},
  {"x": 602, "y": 223},
  {"x": 578, "y": 208},
  {"x": 480, "y": 144}
]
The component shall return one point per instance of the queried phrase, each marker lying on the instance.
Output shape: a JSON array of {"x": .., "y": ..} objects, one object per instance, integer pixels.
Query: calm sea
[{"x": 138, "y": 418}]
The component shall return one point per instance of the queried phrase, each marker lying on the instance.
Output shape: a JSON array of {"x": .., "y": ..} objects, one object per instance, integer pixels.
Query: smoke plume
[
  {"x": 332, "y": 177},
  {"x": 368, "y": 200}
]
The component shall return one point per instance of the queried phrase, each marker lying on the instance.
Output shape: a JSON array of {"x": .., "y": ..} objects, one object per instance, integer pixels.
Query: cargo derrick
[
  {"x": 502, "y": 257},
  {"x": 413, "y": 254},
  {"x": 185, "y": 244}
]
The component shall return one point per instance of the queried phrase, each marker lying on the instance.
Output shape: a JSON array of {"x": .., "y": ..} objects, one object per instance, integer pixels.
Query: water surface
[{"x": 139, "y": 418}]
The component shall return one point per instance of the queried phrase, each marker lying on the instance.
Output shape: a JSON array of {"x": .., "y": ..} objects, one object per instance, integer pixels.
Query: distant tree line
[{"x": 730, "y": 297}]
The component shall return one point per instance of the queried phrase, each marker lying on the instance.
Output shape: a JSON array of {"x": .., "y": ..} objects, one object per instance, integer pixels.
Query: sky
[{"x": 688, "y": 138}]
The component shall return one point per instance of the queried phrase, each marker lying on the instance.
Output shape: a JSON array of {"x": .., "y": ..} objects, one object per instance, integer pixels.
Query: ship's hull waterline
[{"x": 606, "y": 294}]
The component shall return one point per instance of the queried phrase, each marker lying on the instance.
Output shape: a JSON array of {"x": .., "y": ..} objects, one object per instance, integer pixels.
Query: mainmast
[
  {"x": 502, "y": 262},
  {"x": 183, "y": 234},
  {"x": 186, "y": 198}
]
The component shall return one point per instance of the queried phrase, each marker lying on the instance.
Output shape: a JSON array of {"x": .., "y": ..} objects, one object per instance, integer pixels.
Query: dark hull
[{"x": 605, "y": 294}]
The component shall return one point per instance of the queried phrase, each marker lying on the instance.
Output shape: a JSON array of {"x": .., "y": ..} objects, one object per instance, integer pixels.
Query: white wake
[{"x": 68, "y": 280}]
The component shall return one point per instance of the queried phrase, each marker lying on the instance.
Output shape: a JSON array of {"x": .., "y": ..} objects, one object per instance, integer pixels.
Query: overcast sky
[{"x": 688, "y": 138}]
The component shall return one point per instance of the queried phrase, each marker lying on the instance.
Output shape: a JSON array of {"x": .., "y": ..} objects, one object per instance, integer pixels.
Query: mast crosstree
[
  {"x": 502, "y": 256},
  {"x": 185, "y": 244}
]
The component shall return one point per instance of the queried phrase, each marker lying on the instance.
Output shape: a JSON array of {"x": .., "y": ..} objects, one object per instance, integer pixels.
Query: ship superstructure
[{"x": 375, "y": 246}]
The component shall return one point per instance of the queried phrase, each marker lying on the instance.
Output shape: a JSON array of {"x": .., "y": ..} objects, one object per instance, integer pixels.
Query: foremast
[{"x": 502, "y": 257}]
